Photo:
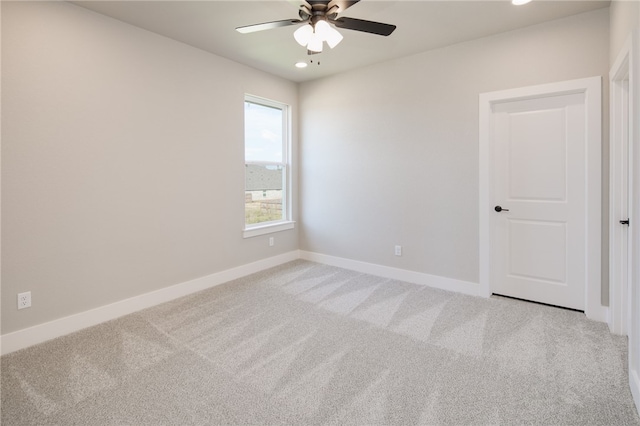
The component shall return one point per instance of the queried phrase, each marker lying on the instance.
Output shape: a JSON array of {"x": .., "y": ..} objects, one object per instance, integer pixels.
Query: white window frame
[{"x": 253, "y": 230}]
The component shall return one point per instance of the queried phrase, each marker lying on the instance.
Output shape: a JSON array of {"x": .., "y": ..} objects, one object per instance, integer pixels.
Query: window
[{"x": 266, "y": 146}]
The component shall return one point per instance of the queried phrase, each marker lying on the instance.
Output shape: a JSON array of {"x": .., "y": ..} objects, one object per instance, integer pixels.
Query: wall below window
[
  {"x": 122, "y": 162},
  {"x": 389, "y": 153}
]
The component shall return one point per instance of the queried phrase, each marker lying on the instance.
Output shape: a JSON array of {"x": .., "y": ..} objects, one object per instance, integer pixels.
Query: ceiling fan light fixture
[
  {"x": 333, "y": 37},
  {"x": 322, "y": 29},
  {"x": 303, "y": 35},
  {"x": 519, "y": 2},
  {"x": 315, "y": 44}
]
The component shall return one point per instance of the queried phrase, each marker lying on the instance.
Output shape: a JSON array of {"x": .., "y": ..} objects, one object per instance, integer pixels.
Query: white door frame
[
  {"x": 621, "y": 169},
  {"x": 591, "y": 87}
]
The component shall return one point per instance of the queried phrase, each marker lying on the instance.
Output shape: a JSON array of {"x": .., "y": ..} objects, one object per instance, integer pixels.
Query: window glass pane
[
  {"x": 263, "y": 193},
  {"x": 262, "y": 133}
]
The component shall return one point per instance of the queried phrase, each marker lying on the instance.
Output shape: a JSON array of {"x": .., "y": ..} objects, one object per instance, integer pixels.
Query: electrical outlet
[
  {"x": 24, "y": 300},
  {"x": 272, "y": 241},
  {"x": 398, "y": 251}
]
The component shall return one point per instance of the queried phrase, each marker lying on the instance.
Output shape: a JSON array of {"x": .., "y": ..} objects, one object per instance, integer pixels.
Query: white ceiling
[{"x": 422, "y": 25}]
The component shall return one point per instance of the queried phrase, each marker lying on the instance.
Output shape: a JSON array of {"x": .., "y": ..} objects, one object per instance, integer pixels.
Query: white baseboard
[
  {"x": 634, "y": 383},
  {"x": 450, "y": 284},
  {"x": 598, "y": 313},
  {"x": 20, "y": 339}
]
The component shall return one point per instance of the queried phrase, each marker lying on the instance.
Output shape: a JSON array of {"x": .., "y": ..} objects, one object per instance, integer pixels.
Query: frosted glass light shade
[
  {"x": 333, "y": 37},
  {"x": 322, "y": 29},
  {"x": 315, "y": 44},
  {"x": 303, "y": 34},
  {"x": 519, "y": 2}
]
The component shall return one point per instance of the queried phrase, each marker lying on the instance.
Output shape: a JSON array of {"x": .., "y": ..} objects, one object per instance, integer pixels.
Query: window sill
[{"x": 267, "y": 229}]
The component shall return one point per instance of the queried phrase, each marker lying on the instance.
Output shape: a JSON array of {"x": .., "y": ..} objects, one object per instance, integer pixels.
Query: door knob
[{"x": 500, "y": 209}]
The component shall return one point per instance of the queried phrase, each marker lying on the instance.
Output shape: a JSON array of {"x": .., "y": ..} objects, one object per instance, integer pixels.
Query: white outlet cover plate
[{"x": 24, "y": 300}]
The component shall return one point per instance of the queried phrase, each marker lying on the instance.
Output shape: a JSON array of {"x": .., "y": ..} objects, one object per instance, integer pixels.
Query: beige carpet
[{"x": 306, "y": 344}]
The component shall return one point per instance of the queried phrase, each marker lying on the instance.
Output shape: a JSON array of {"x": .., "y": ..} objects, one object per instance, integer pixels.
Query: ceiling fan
[{"x": 318, "y": 16}]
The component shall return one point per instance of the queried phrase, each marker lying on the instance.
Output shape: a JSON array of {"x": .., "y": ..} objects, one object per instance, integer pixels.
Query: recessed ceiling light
[
  {"x": 301, "y": 64},
  {"x": 519, "y": 2}
]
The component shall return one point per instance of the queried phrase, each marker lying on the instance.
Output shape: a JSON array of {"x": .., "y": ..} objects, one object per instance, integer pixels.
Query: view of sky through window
[{"x": 263, "y": 133}]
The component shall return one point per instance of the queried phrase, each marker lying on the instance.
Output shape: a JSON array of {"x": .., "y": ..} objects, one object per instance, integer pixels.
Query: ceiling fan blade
[
  {"x": 364, "y": 26},
  {"x": 300, "y": 3},
  {"x": 341, "y": 4},
  {"x": 268, "y": 25},
  {"x": 304, "y": 8}
]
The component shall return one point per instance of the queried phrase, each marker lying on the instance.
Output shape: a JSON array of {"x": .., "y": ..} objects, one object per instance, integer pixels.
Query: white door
[
  {"x": 541, "y": 162},
  {"x": 624, "y": 276},
  {"x": 539, "y": 183},
  {"x": 619, "y": 196}
]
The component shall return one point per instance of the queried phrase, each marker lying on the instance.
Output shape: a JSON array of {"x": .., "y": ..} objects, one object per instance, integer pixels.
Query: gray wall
[
  {"x": 389, "y": 153},
  {"x": 122, "y": 161},
  {"x": 625, "y": 16}
]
